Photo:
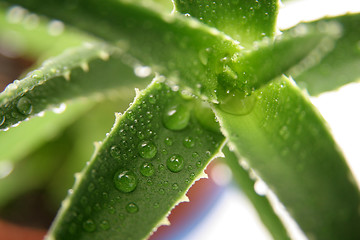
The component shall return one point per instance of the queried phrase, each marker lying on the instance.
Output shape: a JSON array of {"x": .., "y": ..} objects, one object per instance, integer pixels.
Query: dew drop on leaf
[
  {"x": 111, "y": 210},
  {"x": 24, "y": 106},
  {"x": 168, "y": 141},
  {"x": 2, "y": 120},
  {"x": 176, "y": 117},
  {"x": 115, "y": 152},
  {"x": 72, "y": 228},
  {"x": 140, "y": 135},
  {"x": 125, "y": 181},
  {"x": 97, "y": 207},
  {"x": 147, "y": 149},
  {"x": 37, "y": 74},
  {"x": 204, "y": 56},
  {"x": 189, "y": 142},
  {"x": 60, "y": 109},
  {"x": 105, "y": 225},
  {"x": 237, "y": 103},
  {"x": 175, "y": 163},
  {"x": 91, "y": 187},
  {"x": 161, "y": 167},
  {"x": 152, "y": 99},
  {"x": 132, "y": 208},
  {"x": 147, "y": 169},
  {"x": 142, "y": 71},
  {"x": 175, "y": 186},
  {"x": 89, "y": 225}
]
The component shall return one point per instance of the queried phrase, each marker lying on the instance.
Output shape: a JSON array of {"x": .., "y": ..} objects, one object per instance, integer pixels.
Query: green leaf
[
  {"x": 19, "y": 142},
  {"x": 99, "y": 119},
  {"x": 341, "y": 61},
  {"x": 140, "y": 171},
  {"x": 188, "y": 52},
  {"x": 288, "y": 144},
  {"x": 21, "y": 36},
  {"x": 31, "y": 173},
  {"x": 75, "y": 73},
  {"x": 260, "y": 203},
  {"x": 245, "y": 21}
]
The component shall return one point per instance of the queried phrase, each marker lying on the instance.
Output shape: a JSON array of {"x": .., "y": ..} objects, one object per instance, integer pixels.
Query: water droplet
[
  {"x": 105, "y": 225},
  {"x": 260, "y": 187},
  {"x": 284, "y": 132},
  {"x": 2, "y": 120},
  {"x": 237, "y": 103},
  {"x": 115, "y": 152},
  {"x": 168, "y": 141},
  {"x": 187, "y": 14},
  {"x": 60, "y": 109},
  {"x": 161, "y": 191},
  {"x": 192, "y": 176},
  {"x": 37, "y": 74},
  {"x": 6, "y": 167},
  {"x": 31, "y": 21},
  {"x": 175, "y": 186},
  {"x": 156, "y": 205},
  {"x": 204, "y": 56},
  {"x": 91, "y": 187},
  {"x": 147, "y": 149},
  {"x": 16, "y": 14},
  {"x": 198, "y": 164},
  {"x": 161, "y": 167},
  {"x": 175, "y": 163},
  {"x": 189, "y": 142},
  {"x": 125, "y": 181},
  {"x": 149, "y": 182},
  {"x": 97, "y": 207},
  {"x": 195, "y": 155},
  {"x": 251, "y": 11},
  {"x": 132, "y": 208},
  {"x": 84, "y": 200},
  {"x": 56, "y": 28},
  {"x": 24, "y": 106},
  {"x": 111, "y": 210},
  {"x": 177, "y": 116},
  {"x": 72, "y": 228},
  {"x": 89, "y": 225},
  {"x": 88, "y": 210},
  {"x": 142, "y": 71},
  {"x": 206, "y": 117},
  {"x": 140, "y": 135},
  {"x": 147, "y": 169},
  {"x": 130, "y": 115}
]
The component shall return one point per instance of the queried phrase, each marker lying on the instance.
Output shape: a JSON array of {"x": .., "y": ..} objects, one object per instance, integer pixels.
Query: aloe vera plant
[{"x": 220, "y": 84}]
